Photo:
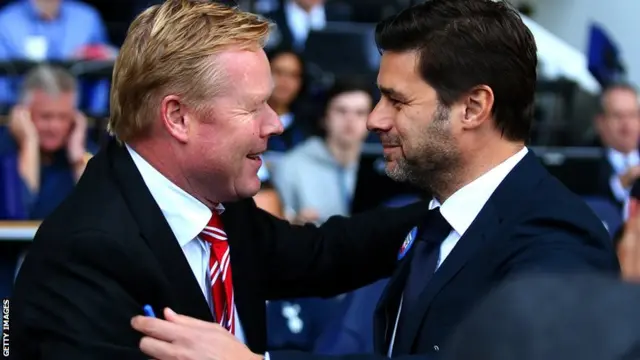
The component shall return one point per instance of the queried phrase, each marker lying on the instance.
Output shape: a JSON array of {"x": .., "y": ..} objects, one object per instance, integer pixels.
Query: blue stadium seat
[
  {"x": 296, "y": 324},
  {"x": 351, "y": 330},
  {"x": 606, "y": 211}
]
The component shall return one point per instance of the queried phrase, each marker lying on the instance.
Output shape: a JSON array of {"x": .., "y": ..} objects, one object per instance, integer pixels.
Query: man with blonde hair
[{"x": 148, "y": 224}]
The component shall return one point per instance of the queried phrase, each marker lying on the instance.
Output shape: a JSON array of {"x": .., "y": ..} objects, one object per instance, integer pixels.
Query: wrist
[{"x": 80, "y": 161}]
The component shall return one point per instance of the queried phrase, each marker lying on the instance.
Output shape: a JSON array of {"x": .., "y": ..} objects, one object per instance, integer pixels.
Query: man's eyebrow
[{"x": 392, "y": 93}]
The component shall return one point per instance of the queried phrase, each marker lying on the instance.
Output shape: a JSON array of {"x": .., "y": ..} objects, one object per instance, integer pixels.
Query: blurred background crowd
[{"x": 56, "y": 59}]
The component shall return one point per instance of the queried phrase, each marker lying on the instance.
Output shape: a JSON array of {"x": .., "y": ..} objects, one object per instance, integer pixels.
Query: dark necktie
[{"x": 424, "y": 260}]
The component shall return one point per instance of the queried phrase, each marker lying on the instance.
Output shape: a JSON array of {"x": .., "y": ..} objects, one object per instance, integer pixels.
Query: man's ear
[
  {"x": 478, "y": 105},
  {"x": 175, "y": 118}
]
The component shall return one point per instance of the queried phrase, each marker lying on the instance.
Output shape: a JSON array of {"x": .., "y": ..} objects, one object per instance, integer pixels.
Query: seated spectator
[
  {"x": 41, "y": 30},
  {"x": 317, "y": 179},
  {"x": 288, "y": 72},
  {"x": 47, "y": 135},
  {"x": 294, "y": 21},
  {"x": 618, "y": 125}
]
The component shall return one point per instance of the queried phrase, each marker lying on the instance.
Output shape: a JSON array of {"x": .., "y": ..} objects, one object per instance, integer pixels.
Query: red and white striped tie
[{"x": 220, "y": 272}]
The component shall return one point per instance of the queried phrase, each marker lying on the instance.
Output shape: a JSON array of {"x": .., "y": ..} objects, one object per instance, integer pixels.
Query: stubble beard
[{"x": 432, "y": 162}]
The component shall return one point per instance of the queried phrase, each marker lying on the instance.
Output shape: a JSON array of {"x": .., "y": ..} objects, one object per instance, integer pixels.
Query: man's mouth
[{"x": 256, "y": 156}]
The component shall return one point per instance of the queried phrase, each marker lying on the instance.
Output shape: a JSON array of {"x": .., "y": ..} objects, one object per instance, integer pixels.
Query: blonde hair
[{"x": 170, "y": 49}]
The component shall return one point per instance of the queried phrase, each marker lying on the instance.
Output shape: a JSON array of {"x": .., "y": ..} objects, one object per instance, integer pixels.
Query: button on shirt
[
  {"x": 186, "y": 217},
  {"x": 462, "y": 208}
]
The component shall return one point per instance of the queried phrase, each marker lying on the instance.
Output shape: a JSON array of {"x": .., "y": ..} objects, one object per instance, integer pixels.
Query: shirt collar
[
  {"x": 185, "y": 214},
  {"x": 621, "y": 161},
  {"x": 317, "y": 18},
  {"x": 461, "y": 209}
]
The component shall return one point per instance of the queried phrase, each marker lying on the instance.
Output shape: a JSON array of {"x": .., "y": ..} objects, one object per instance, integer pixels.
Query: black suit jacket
[
  {"x": 531, "y": 223},
  {"x": 108, "y": 250},
  {"x": 605, "y": 172},
  {"x": 283, "y": 32}
]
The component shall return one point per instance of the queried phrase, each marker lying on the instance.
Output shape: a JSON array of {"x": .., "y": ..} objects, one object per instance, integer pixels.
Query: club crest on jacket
[{"x": 408, "y": 242}]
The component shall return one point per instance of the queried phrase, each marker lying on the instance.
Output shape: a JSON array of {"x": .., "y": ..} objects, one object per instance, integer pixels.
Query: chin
[
  {"x": 50, "y": 148},
  {"x": 249, "y": 188}
]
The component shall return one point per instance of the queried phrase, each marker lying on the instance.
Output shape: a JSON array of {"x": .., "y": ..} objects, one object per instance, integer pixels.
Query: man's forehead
[
  {"x": 398, "y": 72},
  {"x": 248, "y": 72}
]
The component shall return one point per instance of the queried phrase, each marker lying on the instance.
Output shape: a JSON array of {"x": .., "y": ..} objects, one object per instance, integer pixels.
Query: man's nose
[
  {"x": 380, "y": 119},
  {"x": 273, "y": 125}
]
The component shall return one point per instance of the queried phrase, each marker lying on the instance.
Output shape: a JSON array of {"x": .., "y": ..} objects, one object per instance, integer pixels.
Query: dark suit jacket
[
  {"x": 605, "y": 172},
  {"x": 531, "y": 223},
  {"x": 587, "y": 317},
  {"x": 283, "y": 31},
  {"x": 108, "y": 250}
]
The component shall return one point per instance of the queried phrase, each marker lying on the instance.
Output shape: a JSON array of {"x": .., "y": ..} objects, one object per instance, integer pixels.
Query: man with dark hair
[
  {"x": 457, "y": 79},
  {"x": 618, "y": 126}
]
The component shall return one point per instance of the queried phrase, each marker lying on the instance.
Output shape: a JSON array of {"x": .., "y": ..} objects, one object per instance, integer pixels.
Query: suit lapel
[
  {"x": 185, "y": 290},
  {"x": 477, "y": 234},
  {"x": 386, "y": 310},
  {"x": 501, "y": 205},
  {"x": 250, "y": 305}
]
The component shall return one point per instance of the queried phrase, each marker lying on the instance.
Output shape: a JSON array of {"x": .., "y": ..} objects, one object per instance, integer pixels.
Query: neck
[
  {"x": 46, "y": 158},
  {"x": 47, "y": 11},
  {"x": 163, "y": 159},
  {"x": 280, "y": 109},
  {"x": 476, "y": 162},
  {"x": 345, "y": 155},
  {"x": 304, "y": 7}
]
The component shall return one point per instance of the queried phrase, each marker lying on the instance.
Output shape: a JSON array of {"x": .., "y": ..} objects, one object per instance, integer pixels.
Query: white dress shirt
[
  {"x": 186, "y": 217},
  {"x": 462, "y": 208},
  {"x": 621, "y": 163},
  {"x": 302, "y": 22}
]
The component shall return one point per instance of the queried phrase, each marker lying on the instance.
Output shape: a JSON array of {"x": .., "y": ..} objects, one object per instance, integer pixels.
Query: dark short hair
[
  {"x": 466, "y": 43},
  {"x": 613, "y": 87},
  {"x": 287, "y": 50}
]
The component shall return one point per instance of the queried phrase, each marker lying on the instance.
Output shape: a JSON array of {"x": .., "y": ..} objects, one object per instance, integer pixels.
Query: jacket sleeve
[{"x": 341, "y": 255}]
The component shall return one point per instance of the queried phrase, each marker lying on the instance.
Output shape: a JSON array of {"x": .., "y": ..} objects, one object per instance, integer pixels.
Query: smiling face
[
  {"x": 416, "y": 131},
  {"x": 222, "y": 139}
]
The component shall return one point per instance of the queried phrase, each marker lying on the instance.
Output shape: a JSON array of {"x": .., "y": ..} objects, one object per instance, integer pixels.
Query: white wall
[{"x": 570, "y": 19}]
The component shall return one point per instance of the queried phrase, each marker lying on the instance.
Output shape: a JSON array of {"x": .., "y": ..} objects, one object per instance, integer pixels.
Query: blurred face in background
[
  {"x": 53, "y": 117},
  {"x": 619, "y": 125},
  {"x": 345, "y": 119},
  {"x": 286, "y": 70}
]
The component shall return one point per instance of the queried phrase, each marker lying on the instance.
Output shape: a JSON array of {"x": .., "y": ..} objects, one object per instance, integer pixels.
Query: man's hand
[
  {"x": 76, "y": 149},
  {"x": 630, "y": 176},
  {"x": 185, "y": 338},
  {"x": 305, "y": 216},
  {"x": 629, "y": 247},
  {"x": 22, "y": 128}
]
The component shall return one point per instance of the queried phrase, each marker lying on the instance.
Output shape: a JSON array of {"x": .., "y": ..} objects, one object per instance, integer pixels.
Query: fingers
[
  {"x": 158, "y": 349},
  {"x": 157, "y": 328},
  {"x": 190, "y": 322}
]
